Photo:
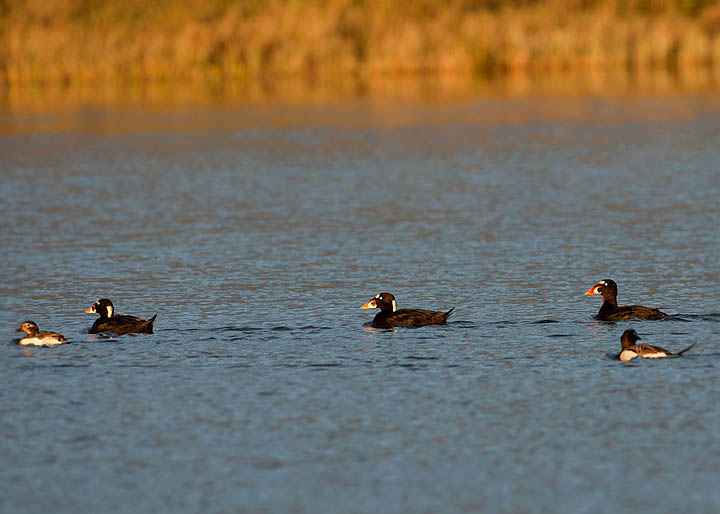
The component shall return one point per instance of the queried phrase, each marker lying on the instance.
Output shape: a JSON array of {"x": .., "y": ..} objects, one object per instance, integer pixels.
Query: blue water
[{"x": 255, "y": 231}]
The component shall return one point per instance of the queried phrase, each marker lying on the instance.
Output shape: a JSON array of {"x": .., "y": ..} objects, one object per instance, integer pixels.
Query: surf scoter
[
  {"x": 609, "y": 311},
  {"x": 119, "y": 324},
  {"x": 35, "y": 337},
  {"x": 630, "y": 350},
  {"x": 389, "y": 315}
]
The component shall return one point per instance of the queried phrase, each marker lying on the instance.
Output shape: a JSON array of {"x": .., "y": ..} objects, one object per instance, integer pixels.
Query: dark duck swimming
[
  {"x": 609, "y": 311},
  {"x": 630, "y": 350},
  {"x": 117, "y": 323},
  {"x": 390, "y": 316}
]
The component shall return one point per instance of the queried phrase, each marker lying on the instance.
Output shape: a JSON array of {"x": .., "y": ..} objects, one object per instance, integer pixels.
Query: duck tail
[
  {"x": 686, "y": 349},
  {"x": 449, "y": 313},
  {"x": 148, "y": 325}
]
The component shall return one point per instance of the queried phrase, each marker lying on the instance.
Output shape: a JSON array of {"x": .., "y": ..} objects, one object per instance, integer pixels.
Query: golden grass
[{"x": 121, "y": 41}]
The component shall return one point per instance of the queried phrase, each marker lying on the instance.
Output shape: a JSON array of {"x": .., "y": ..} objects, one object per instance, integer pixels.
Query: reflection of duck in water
[
  {"x": 35, "y": 337},
  {"x": 609, "y": 311},
  {"x": 390, "y": 315},
  {"x": 630, "y": 350},
  {"x": 119, "y": 324}
]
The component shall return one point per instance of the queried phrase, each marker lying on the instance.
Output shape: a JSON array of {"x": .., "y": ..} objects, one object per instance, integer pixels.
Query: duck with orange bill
[
  {"x": 117, "y": 323},
  {"x": 390, "y": 316},
  {"x": 610, "y": 311}
]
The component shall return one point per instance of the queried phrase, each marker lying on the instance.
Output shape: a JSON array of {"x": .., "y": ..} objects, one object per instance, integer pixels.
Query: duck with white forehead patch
[
  {"x": 390, "y": 316},
  {"x": 116, "y": 323},
  {"x": 630, "y": 350},
  {"x": 609, "y": 311},
  {"x": 36, "y": 337}
]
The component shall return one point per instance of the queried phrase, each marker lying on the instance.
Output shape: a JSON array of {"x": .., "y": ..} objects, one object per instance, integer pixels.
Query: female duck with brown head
[
  {"x": 36, "y": 337},
  {"x": 630, "y": 350}
]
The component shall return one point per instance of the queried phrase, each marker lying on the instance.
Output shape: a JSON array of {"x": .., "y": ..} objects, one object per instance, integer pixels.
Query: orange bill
[
  {"x": 372, "y": 304},
  {"x": 593, "y": 290}
]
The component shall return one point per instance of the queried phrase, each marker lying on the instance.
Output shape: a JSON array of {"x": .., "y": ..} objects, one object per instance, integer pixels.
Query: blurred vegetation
[{"x": 91, "y": 41}]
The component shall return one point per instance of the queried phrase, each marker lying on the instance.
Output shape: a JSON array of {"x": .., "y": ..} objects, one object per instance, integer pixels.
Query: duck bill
[
  {"x": 372, "y": 304},
  {"x": 90, "y": 310},
  {"x": 593, "y": 290}
]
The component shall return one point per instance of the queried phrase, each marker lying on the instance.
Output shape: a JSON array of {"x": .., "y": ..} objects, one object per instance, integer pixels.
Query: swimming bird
[
  {"x": 35, "y": 337},
  {"x": 389, "y": 315},
  {"x": 609, "y": 311},
  {"x": 630, "y": 350},
  {"x": 116, "y": 323}
]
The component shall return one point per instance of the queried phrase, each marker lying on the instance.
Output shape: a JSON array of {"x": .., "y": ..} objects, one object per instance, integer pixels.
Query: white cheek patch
[{"x": 394, "y": 304}]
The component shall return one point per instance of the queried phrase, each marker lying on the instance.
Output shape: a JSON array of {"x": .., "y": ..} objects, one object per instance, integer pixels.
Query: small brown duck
[
  {"x": 630, "y": 350},
  {"x": 389, "y": 315},
  {"x": 35, "y": 337},
  {"x": 116, "y": 323},
  {"x": 609, "y": 311}
]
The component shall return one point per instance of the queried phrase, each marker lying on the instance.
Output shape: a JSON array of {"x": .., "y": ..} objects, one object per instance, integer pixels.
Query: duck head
[
  {"x": 383, "y": 301},
  {"x": 103, "y": 307}
]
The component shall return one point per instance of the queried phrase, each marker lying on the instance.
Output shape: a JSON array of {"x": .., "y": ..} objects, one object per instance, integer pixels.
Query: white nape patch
[
  {"x": 109, "y": 311},
  {"x": 627, "y": 355},
  {"x": 39, "y": 341},
  {"x": 394, "y": 304}
]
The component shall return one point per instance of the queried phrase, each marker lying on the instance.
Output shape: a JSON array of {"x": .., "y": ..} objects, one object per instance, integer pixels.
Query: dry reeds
[{"x": 96, "y": 41}]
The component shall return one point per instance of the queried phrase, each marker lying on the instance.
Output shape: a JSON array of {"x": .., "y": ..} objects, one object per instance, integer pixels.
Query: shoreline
[{"x": 117, "y": 42}]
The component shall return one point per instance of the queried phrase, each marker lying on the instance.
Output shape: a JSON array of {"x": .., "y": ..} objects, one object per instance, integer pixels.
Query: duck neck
[
  {"x": 383, "y": 315},
  {"x": 607, "y": 307},
  {"x": 610, "y": 297}
]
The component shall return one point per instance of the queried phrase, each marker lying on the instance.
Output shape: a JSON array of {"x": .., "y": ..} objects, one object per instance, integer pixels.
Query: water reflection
[{"x": 93, "y": 103}]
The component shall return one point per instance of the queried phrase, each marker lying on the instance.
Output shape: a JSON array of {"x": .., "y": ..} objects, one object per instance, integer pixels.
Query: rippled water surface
[{"x": 256, "y": 230}]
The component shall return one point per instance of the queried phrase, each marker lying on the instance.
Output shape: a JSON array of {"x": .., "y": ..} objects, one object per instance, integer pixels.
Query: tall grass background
[{"x": 166, "y": 41}]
